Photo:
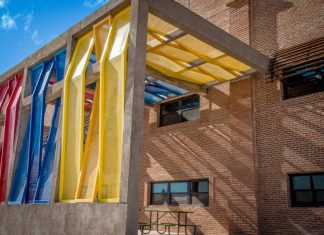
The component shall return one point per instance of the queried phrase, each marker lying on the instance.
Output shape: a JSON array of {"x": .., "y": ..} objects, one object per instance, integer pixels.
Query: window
[
  {"x": 304, "y": 79},
  {"x": 180, "y": 110},
  {"x": 193, "y": 192},
  {"x": 307, "y": 189}
]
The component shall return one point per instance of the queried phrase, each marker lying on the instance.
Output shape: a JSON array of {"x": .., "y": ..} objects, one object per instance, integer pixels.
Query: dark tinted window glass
[
  {"x": 318, "y": 181},
  {"x": 181, "y": 110},
  {"x": 302, "y": 182},
  {"x": 320, "y": 196},
  {"x": 200, "y": 199},
  {"x": 307, "y": 189},
  {"x": 304, "y": 79},
  {"x": 160, "y": 199},
  {"x": 179, "y": 199},
  {"x": 304, "y": 196},
  {"x": 200, "y": 187},
  {"x": 181, "y": 192}
]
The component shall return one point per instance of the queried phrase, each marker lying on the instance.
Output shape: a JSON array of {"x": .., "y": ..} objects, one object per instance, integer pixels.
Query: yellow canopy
[{"x": 183, "y": 56}]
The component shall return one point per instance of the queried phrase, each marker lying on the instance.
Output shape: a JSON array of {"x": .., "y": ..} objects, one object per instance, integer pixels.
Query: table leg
[
  {"x": 186, "y": 223},
  {"x": 178, "y": 223}
]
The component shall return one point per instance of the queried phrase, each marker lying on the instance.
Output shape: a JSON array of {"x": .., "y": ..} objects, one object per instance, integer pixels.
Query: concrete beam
[
  {"x": 55, "y": 91},
  {"x": 134, "y": 114},
  {"x": 191, "y": 23}
]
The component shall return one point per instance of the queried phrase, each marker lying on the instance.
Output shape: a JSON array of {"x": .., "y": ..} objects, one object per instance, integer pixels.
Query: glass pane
[
  {"x": 320, "y": 196},
  {"x": 191, "y": 102},
  {"x": 179, "y": 198},
  {"x": 160, "y": 188},
  {"x": 301, "y": 182},
  {"x": 304, "y": 196},
  {"x": 200, "y": 187},
  {"x": 170, "y": 118},
  {"x": 318, "y": 181},
  {"x": 159, "y": 199},
  {"x": 180, "y": 187},
  {"x": 200, "y": 199}
]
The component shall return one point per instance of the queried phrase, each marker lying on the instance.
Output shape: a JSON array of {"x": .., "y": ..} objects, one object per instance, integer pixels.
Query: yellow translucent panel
[
  {"x": 159, "y": 25},
  {"x": 100, "y": 34},
  {"x": 163, "y": 63},
  {"x": 152, "y": 42},
  {"x": 217, "y": 71},
  {"x": 199, "y": 47},
  {"x": 230, "y": 62},
  {"x": 195, "y": 77},
  {"x": 112, "y": 105},
  {"x": 73, "y": 118},
  {"x": 176, "y": 53},
  {"x": 167, "y": 67},
  {"x": 87, "y": 185}
]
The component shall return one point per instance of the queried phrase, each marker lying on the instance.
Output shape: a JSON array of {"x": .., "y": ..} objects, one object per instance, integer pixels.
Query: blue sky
[{"x": 27, "y": 25}]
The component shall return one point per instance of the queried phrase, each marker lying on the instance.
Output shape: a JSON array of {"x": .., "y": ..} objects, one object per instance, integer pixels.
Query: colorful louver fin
[
  {"x": 112, "y": 103},
  {"x": 28, "y": 170},
  {"x": 10, "y": 123},
  {"x": 73, "y": 118}
]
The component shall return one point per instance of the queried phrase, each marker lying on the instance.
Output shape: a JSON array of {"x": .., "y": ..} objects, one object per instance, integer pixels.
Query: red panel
[{"x": 10, "y": 105}]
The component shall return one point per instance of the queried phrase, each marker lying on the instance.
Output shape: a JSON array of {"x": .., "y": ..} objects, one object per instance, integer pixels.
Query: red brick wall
[
  {"x": 218, "y": 147},
  {"x": 246, "y": 119},
  {"x": 289, "y": 133}
]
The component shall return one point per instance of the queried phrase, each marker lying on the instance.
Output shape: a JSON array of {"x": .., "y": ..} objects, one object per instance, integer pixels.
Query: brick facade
[{"x": 248, "y": 138}]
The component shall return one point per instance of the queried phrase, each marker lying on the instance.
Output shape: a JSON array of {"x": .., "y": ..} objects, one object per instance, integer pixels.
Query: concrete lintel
[
  {"x": 55, "y": 91},
  {"x": 134, "y": 114},
  {"x": 191, "y": 23}
]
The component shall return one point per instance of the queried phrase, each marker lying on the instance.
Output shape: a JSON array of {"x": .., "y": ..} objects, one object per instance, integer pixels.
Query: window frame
[
  {"x": 316, "y": 65},
  {"x": 180, "y": 110},
  {"x": 313, "y": 203},
  {"x": 189, "y": 192}
]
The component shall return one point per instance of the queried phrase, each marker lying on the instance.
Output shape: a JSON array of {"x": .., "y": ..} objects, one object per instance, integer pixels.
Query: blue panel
[
  {"x": 32, "y": 179},
  {"x": 17, "y": 190},
  {"x": 60, "y": 64},
  {"x": 35, "y": 74},
  {"x": 151, "y": 99},
  {"x": 44, "y": 183},
  {"x": 175, "y": 90},
  {"x": 162, "y": 93},
  {"x": 36, "y": 131},
  {"x": 43, "y": 191}
]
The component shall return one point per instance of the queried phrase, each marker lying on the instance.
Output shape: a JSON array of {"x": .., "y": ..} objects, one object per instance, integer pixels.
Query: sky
[{"x": 27, "y": 25}]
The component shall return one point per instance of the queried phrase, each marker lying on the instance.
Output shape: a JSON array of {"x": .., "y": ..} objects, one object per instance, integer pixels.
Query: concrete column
[{"x": 134, "y": 113}]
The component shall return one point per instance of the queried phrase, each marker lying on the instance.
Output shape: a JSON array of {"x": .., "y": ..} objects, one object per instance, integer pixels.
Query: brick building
[
  {"x": 249, "y": 137},
  {"x": 243, "y": 156}
]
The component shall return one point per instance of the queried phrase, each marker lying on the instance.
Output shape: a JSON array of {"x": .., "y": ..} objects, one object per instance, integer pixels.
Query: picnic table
[{"x": 177, "y": 215}]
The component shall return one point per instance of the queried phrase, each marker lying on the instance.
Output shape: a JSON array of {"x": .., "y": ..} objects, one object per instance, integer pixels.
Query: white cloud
[
  {"x": 7, "y": 22},
  {"x": 28, "y": 20},
  {"x": 93, "y": 3},
  {"x": 36, "y": 38},
  {"x": 3, "y": 3}
]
